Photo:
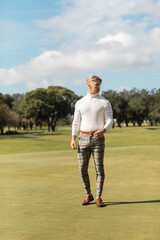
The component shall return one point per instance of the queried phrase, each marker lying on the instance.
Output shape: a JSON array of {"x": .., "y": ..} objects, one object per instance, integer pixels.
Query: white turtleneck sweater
[{"x": 92, "y": 112}]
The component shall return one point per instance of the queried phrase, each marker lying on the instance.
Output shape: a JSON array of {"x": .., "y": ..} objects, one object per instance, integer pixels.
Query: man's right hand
[{"x": 73, "y": 142}]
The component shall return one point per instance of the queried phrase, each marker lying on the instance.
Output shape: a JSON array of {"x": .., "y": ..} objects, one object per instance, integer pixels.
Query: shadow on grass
[
  {"x": 106, "y": 204},
  {"x": 136, "y": 202},
  {"x": 29, "y": 135},
  {"x": 48, "y": 134},
  {"x": 153, "y": 128}
]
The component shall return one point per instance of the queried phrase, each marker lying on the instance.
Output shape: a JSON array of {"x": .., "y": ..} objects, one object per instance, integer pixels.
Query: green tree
[
  {"x": 1, "y": 98},
  {"x": 124, "y": 98},
  {"x": 4, "y": 116},
  {"x": 34, "y": 105},
  {"x": 7, "y": 117},
  {"x": 137, "y": 107},
  {"x": 154, "y": 107},
  {"x": 116, "y": 103},
  {"x": 17, "y": 99},
  {"x": 8, "y": 100},
  {"x": 48, "y": 105},
  {"x": 61, "y": 103},
  {"x": 13, "y": 120}
]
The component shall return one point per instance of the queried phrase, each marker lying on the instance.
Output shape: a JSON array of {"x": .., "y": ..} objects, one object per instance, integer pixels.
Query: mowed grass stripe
[{"x": 2, "y": 156}]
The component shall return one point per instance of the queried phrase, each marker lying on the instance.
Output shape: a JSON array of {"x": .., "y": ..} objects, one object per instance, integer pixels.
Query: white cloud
[
  {"x": 123, "y": 38},
  {"x": 86, "y": 20},
  {"x": 10, "y": 77}
]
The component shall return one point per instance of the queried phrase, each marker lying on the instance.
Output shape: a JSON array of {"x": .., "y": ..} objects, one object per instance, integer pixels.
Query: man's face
[{"x": 94, "y": 86}]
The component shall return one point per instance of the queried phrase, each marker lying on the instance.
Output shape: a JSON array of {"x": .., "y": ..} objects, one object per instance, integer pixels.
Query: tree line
[
  {"x": 55, "y": 102},
  {"x": 9, "y": 110},
  {"x": 135, "y": 106}
]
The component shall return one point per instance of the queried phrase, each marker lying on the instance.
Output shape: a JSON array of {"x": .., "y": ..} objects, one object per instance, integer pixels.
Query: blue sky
[{"x": 60, "y": 42}]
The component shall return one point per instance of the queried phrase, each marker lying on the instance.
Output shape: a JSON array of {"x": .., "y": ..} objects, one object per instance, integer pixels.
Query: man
[{"x": 93, "y": 116}]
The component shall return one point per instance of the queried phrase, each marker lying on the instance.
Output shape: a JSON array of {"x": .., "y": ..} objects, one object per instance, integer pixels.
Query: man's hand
[
  {"x": 99, "y": 133},
  {"x": 73, "y": 142}
]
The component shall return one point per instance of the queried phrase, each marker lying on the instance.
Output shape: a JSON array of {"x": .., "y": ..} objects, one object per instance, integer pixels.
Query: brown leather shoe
[
  {"x": 99, "y": 202},
  {"x": 88, "y": 199}
]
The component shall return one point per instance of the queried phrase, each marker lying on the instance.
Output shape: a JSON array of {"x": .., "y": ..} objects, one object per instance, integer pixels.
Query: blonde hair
[{"x": 94, "y": 77}]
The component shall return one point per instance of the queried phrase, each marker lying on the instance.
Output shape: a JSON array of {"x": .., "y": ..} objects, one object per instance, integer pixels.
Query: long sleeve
[
  {"x": 76, "y": 121},
  {"x": 108, "y": 116}
]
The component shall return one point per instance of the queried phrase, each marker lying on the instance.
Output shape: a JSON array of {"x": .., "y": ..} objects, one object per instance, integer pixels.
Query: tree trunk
[
  {"x": 48, "y": 126},
  {"x": 35, "y": 128},
  {"x": 52, "y": 122},
  {"x": 119, "y": 124},
  {"x": 2, "y": 130},
  {"x": 126, "y": 124}
]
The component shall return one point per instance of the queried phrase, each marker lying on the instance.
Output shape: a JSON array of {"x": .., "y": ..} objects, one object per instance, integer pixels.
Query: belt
[{"x": 92, "y": 132}]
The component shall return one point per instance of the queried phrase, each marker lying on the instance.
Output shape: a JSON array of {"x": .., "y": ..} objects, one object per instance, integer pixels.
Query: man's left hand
[{"x": 99, "y": 133}]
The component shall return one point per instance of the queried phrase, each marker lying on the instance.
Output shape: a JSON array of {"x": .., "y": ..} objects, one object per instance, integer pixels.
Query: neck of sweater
[{"x": 92, "y": 95}]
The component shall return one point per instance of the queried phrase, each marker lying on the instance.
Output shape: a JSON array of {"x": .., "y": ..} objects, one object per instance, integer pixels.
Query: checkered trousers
[{"x": 89, "y": 145}]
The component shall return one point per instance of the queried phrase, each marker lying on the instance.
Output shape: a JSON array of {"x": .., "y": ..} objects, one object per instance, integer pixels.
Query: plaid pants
[{"x": 88, "y": 145}]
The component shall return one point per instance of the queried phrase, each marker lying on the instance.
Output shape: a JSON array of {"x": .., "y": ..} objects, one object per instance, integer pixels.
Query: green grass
[
  {"x": 36, "y": 142},
  {"x": 41, "y": 190},
  {"x": 60, "y": 140}
]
